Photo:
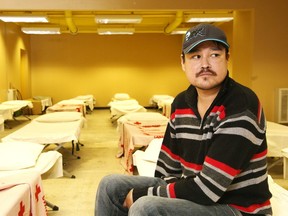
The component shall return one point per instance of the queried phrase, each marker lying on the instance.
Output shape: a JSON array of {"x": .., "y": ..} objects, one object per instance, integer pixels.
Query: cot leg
[
  {"x": 73, "y": 147},
  {"x": 52, "y": 206},
  {"x": 78, "y": 146},
  {"x": 67, "y": 174},
  {"x": 7, "y": 126},
  {"x": 285, "y": 163},
  {"x": 59, "y": 145},
  {"x": 279, "y": 160}
]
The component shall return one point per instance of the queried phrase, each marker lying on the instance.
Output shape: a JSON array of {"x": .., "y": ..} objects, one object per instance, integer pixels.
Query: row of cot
[
  {"x": 9, "y": 110},
  {"x": 24, "y": 161},
  {"x": 122, "y": 103}
]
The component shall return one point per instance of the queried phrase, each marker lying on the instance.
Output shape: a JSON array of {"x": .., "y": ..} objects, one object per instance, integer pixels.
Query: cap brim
[{"x": 189, "y": 48}]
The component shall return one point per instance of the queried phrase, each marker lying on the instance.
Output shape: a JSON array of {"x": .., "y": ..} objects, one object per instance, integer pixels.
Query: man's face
[{"x": 206, "y": 66}]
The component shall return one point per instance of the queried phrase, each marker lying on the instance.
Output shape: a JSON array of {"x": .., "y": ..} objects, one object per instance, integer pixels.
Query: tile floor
[{"x": 75, "y": 197}]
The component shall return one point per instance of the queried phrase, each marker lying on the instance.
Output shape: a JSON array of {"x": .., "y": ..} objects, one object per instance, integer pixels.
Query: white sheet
[
  {"x": 127, "y": 102},
  {"x": 22, "y": 194},
  {"x": 166, "y": 107},
  {"x": 7, "y": 108},
  {"x": 15, "y": 104},
  {"x": 120, "y": 108},
  {"x": 59, "y": 117},
  {"x": 159, "y": 99},
  {"x": 45, "y": 101},
  {"x": 144, "y": 168},
  {"x": 6, "y": 112},
  {"x": 142, "y": 117},
  {"x": 47, "y": 133},
  {"x": 89, "y": 100},
  {"x": 19, "y": 155},
  {"x": 277, "y": 138},
  {"x": 71, "y": 105},
  {"x": 279, "y": 199},
  {"x": 138, "y": 133},
  {"x": 49, "y": 164},
  {"x": 146, "y": 160}
]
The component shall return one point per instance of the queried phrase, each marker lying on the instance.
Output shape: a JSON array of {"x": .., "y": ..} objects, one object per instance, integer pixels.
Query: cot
[
  {"x": 122, "y": 107},
  {"x": 10, "y": 109},
  {"x": 138, "y": 130},
  {"x": 52, "y": 128},
  {"x": 70, "y": 105},
  {"x": 17, "y": 158},
  {"x": 22, "y": 194},
  {"x": 159, "y": 99},
  {"x": 277, "y": 140},
  {"x": 89, "y": 100},
  {"x": 166, "y": 107},
  {"x": 45, "y": 101}
]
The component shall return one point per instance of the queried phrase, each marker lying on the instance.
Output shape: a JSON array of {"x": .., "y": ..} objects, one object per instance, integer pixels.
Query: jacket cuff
[{"x": 139, "y": 192}]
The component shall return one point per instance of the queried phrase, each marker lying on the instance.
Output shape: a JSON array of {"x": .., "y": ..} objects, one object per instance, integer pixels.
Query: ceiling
[{"x": 77, "y": 22}]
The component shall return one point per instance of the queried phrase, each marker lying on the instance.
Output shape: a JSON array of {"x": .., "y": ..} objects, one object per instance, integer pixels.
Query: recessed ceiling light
[
  {"x": 116, "y": 31},
  {"x": 105, "y": 19},
  {"x": 209, "y": 19},
  {"x": 41, "y": 30},
  {"x": 24, "y": 19}
]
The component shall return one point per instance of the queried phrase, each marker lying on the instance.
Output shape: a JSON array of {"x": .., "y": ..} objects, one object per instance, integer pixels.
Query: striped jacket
[{"x": 220, "y": 158}]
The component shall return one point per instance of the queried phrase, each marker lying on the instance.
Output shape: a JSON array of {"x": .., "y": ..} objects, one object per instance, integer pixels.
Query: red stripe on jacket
[{"x": 227, "y": 169}]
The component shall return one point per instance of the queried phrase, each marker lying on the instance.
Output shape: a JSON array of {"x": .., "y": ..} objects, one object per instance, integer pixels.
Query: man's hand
[{"x": 129, "y": 200}]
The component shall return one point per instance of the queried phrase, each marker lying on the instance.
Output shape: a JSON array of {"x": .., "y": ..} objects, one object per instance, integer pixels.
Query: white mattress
[
  {"x": 159, "y": 99},
  {"x": 87, "y": 99},
  {"x": 279, "y": 199},
  {"x": 16, "y": 157},
  {"x": 277, "y": 138},
  {"x": 8, "y": 108},
  {"x": 118, "y": 109},
  {"x": 127, "y": 102},
  {"x": 146, "y": 160},
  {"x": 48, "y": 133}
]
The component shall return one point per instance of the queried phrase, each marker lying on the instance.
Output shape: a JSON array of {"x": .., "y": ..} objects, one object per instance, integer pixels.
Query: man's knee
[
  {"x": 145, "y": 206},
  {"x": 107, "y": 182}
]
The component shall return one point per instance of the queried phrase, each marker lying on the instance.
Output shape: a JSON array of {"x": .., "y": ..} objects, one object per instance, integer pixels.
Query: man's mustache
[{"x": 205, "y": 70}]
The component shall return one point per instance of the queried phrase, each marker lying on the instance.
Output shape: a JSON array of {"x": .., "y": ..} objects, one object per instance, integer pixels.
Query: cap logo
[{"x": 195, "y": 33}]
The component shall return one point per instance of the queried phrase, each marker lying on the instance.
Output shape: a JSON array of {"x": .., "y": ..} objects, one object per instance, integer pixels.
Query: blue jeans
[{"x": 113, "y": 189}]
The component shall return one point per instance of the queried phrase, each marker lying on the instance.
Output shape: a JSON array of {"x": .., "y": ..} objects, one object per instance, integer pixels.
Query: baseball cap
[{"x": 201, "y": 33}]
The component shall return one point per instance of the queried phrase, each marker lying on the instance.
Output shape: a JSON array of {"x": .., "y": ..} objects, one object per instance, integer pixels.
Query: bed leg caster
[
  {"x": 67, "y": 174},
  {"x": 52, "y": 206},
  {"x": 78, "y": 146}
]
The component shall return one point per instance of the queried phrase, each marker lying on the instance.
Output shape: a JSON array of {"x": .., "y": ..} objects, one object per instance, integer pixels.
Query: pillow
[
  {"x": 19, "y": 155},
  {"x": 121, "y": 96},
  {"x": 153, "y": 150},
  {"x": 59, "y": 117}
]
